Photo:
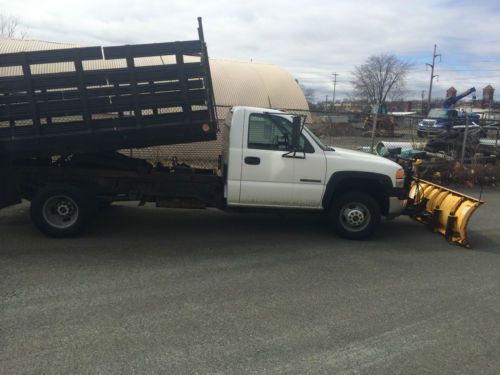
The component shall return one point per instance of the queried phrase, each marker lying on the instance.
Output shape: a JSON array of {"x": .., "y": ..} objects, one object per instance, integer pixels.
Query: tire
[
  {"x": 355, "y": 215},
  {"x": 62, "y": 211}
]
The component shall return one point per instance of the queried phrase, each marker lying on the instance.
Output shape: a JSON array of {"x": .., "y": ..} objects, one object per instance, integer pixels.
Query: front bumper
[
  {"x": 397, "y": 199},
  {"x": 396, "y": 207},
  {"x": 431, "y": 130}
]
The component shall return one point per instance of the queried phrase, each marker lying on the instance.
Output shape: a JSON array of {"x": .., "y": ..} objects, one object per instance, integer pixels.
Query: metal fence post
[
  {"x": 374, "y": 129},
  {"x": 464, "y": 142}
]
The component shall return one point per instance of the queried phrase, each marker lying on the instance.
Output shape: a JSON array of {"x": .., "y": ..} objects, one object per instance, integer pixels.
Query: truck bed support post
[
  {"x": 31, "y": 93},
  {"x": 133, "y": 84},
  {"x": 206, "y": 62},
  {"x": 186, "y": 106},
  {"x": 83, "y": 91}
]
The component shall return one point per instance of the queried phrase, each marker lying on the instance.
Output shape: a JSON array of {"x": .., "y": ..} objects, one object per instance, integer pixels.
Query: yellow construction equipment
[{"x": 443, "y": 210}]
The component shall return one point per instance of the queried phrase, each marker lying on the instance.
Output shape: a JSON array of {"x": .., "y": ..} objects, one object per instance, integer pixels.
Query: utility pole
[
  {"x": 464, "y": 141},
  {"x": 434, "y": 55},
  {"x": 334, "y": 87},
  {"x": 422, "y": 105}
]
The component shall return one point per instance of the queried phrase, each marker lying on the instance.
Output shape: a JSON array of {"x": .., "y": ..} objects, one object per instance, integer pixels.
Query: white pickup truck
[
  {"x": 60, "y": 132},
  {"x": 269, "y": 161}
]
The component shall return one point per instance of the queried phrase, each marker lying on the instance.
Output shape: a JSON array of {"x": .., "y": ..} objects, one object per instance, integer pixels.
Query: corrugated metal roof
[{"x": 235, "y": 82}]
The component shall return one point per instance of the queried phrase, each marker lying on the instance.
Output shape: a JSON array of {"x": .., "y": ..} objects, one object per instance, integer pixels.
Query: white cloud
[{"x": 309, "y": 38}]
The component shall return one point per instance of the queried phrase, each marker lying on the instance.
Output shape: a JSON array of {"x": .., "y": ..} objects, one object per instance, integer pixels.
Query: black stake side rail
[{"x": 119, "y": 106}]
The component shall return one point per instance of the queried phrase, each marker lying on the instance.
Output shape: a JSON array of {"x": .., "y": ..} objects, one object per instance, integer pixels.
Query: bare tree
[
  {"x": 379, "y": 78},
  {"x": 9, "y": 27}
]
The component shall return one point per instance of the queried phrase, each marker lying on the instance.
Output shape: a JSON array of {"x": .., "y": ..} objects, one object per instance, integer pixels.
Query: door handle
[{"x": 252, "y": 160}]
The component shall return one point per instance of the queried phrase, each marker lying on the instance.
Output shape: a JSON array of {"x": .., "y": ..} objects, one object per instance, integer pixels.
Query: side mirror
[{"x": 296, "y": 127}]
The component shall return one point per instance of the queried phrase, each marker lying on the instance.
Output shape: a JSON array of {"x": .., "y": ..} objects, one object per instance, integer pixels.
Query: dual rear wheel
[{"x": 62, "y": 211}]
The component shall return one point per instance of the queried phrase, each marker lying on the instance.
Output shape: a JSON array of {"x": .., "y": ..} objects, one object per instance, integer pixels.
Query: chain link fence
[
  {"x": 352, "y": 130},
  {"x": 355, "y": 131}
]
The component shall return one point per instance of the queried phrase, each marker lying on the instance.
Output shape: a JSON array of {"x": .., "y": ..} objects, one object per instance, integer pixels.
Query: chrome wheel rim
[
  {"x": 354, "y": 216},
  {"x": 60, "y": 211}
]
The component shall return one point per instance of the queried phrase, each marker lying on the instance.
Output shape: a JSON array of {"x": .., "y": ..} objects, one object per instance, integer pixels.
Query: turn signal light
[{"x": 400, "y": 178}]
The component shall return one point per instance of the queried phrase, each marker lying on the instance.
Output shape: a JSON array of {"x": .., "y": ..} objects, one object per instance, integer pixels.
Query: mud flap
[
  {"x": 9, "y": 187},
  {"x": 443, "y": 210}
]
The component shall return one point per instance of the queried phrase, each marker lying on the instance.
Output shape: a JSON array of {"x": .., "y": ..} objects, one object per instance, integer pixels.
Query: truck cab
[
  {"x": 264, "y": 170},
  {"x": 441, "y": 120}
]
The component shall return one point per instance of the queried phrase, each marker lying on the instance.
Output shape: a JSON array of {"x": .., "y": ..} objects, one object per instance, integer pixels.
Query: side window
[
  {"x": 266, "y": 134},
  {"x": 263, "y": 133}
]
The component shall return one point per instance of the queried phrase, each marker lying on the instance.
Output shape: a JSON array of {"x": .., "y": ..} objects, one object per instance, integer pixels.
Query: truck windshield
[
  {"x": 311, "y": 134},
  {"x": 438, "y": 113}
]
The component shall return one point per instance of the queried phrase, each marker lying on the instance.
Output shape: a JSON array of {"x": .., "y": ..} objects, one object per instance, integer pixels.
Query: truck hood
[{"x": 348, "y": 160}]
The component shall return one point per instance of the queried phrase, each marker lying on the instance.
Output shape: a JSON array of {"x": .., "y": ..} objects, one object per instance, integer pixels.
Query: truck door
[
  {"x": 266, "y": 176},
  {"x": 309, "y": 175}
]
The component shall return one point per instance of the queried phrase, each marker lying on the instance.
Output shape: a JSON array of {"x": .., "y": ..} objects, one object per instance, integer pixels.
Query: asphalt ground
[{"x": 160, "y": 291}]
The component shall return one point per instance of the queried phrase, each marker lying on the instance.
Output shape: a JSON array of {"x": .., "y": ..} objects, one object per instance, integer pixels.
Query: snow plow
[{"x": 441, "y": 209}]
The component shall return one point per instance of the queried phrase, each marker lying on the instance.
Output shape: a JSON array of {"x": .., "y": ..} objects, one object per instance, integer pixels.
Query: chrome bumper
[{"x": 396, "y": 207}]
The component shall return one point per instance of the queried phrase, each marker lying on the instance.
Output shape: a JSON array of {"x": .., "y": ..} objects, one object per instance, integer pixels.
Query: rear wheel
[
  {"x": 355, "y": 215},
  {"x": 61, "y": 211}
]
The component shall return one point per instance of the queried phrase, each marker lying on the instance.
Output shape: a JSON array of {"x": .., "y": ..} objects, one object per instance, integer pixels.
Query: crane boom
[{"x": 453, "y": 99}]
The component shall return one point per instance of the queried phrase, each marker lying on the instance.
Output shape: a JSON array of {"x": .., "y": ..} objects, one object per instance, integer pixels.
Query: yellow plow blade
[{"x": 443, "y": 210}]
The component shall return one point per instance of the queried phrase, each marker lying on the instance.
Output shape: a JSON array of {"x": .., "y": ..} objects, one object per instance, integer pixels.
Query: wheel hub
[
  {"x": 60, "y": 211},
  {"x": 355, "y": 217},
  {"x": 64, "y": 209}
]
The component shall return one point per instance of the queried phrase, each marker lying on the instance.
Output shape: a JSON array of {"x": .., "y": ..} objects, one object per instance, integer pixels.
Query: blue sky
[{"x": 311, "y": 39}]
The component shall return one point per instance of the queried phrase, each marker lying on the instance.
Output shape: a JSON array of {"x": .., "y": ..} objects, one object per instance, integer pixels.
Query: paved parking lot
[{"x": 164, "y": 291}]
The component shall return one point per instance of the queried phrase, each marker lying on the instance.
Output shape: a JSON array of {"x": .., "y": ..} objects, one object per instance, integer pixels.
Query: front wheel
[
  {"x": 355, "y": 215},
  {"x": 61, "y": 211}
]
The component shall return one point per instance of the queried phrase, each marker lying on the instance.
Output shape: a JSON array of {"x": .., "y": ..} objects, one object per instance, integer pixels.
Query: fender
[{"x": 337, "y": 179}]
